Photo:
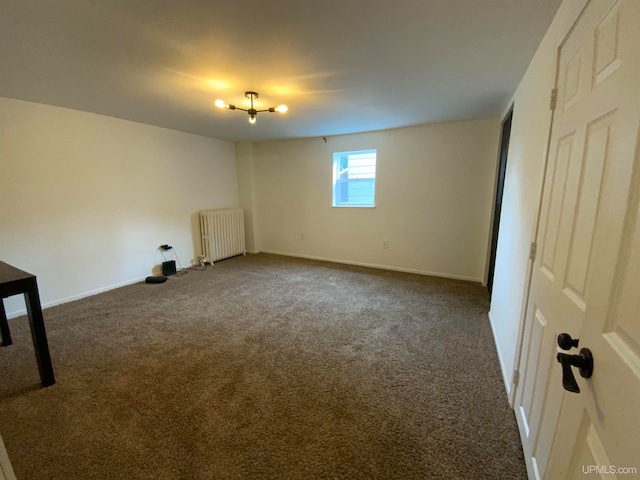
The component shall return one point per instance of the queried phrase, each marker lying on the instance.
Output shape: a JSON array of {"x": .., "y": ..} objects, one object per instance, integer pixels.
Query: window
[{"x": 354, "y": 179}]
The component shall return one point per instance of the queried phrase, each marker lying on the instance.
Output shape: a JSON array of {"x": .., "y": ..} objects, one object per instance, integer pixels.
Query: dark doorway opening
[{"x": 505, "y": 134}]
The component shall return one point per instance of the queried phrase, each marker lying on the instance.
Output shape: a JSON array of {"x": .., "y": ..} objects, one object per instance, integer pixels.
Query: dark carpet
[{"x": 264, "y": 367}]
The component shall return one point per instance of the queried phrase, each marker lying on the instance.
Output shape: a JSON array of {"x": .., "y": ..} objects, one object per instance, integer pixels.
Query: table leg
[
  {"x": 4, "y": 326},
  {"x": 38, "y": 334}
]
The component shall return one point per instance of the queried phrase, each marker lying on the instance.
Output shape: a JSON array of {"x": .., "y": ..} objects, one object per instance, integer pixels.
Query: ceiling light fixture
[{"x": 253, "y": 113}]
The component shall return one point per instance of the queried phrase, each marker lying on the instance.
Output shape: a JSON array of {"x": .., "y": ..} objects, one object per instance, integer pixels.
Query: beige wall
[
  {"x": 434, "y": 192},
  {"x": 85, "y": 200},
  {"x": 523, "y": 185},
  {"x": 244, "y": 156}
]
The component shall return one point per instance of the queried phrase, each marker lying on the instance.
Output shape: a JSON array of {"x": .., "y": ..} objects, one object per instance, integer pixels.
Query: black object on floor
[
  {"x": 169, "y": 268},
  {"x": 159, "y": 279}
]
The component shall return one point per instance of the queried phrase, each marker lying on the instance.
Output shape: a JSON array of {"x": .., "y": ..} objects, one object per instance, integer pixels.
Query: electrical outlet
[
  {"x": 302, "y": 236},
  {"x": 385, "y": 243}
]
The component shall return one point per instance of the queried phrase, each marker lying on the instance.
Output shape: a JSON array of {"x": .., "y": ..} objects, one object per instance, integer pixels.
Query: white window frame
[{"x": 338, "y": 181}]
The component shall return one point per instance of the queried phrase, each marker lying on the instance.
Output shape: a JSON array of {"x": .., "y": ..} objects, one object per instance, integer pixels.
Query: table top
[{"x": 9, "y": 273}]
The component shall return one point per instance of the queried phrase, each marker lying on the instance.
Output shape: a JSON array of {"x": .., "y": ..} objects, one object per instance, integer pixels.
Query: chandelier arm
[{"x": 252, "y": 111}]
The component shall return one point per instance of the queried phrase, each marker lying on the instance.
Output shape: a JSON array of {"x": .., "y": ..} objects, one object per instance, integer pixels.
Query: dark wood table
[{"x": 12, "y": 282}]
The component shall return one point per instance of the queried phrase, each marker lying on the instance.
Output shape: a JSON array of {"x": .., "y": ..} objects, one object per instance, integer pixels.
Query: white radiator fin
[{"x": 222, "y": 233}]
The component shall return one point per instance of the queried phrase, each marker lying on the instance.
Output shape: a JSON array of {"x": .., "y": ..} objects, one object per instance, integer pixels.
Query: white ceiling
[{"x": 342, "y": 66}]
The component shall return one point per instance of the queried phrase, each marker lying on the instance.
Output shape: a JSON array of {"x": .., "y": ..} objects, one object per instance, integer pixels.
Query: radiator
[{"x": 222, "y": 233}]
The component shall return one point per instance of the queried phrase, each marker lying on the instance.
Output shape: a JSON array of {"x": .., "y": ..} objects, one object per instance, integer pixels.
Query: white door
[
  {"x": 6, "y": 471},
  {"x": 586, "y": 275}
]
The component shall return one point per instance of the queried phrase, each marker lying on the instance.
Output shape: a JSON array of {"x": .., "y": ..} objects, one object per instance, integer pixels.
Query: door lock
[{"x": 565, "y": 341}]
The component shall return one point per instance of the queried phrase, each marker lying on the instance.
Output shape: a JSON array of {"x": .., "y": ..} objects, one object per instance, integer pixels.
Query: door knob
[
  {"x": 565, "y": 341},
  {"x": 584, "y": 361}
]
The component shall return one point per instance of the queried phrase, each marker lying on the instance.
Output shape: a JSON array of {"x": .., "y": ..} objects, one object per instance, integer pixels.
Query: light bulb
[
  {"x": 220, "y": 103},
  {"x": 282, "y": 108},
  {"x": 252, "y": 119}
]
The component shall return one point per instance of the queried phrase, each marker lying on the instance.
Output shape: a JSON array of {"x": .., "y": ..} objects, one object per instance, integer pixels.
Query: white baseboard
[
  {"x": 373, "y": 265},
  {"x": 507, "y": 383},
  {"x": 23, "y": 311}
]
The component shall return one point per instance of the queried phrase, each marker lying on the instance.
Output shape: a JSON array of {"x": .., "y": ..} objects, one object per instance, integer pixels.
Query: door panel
[
  {"x": 586, "y": 279},
  {"x": 597, "y": 153},
  {"x": 554, "y": 207},
  {"x": 589, "y": 459}
]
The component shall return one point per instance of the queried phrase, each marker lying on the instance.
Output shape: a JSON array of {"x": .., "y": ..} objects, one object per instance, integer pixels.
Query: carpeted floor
[{"x": 264, "y": 367}]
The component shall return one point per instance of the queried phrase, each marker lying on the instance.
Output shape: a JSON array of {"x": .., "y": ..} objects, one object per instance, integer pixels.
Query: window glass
[{"x": 354, "y": 178}]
